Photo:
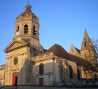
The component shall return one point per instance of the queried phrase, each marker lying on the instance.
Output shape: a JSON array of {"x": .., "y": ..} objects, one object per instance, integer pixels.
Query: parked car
[
  {"x": 92, "y": 83},
  {"x": 53, "y": 84},
  {"x": 63, "y": 84},
  {"x": 69, "y": 84}
]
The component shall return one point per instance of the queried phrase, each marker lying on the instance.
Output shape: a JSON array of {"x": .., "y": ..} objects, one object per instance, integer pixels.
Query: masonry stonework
[{"x": 28, "y": 63}]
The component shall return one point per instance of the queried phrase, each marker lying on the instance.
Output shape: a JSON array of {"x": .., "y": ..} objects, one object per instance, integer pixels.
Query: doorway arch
[{"x": 14, "y": 78}]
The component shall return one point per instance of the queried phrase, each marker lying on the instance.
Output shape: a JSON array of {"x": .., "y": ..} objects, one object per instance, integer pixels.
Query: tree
[
  {"x": 91, "y": 56},
  {"x": 95, "y": 44}
]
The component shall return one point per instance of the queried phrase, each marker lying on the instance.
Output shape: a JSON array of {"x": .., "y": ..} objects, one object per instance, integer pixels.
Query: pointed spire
[
  {"x": 86, "y": 41},
  {"x": 86, "y": 37},
  {"x": 85, "y": 34},
  {"x": 72, "y": 46}
]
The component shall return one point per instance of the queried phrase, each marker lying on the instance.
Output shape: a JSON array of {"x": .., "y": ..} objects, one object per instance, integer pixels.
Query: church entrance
[
  {"x": 15, "y": 78},
  {"x": 41, "y": 81}
]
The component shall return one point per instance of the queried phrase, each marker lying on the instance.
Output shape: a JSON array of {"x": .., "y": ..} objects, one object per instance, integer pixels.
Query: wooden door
[
  {"x": 14, "y": 81},
  {"x": 41, "y": 81}
]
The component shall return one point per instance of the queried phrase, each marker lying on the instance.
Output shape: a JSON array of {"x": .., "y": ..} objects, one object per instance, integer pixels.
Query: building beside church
[{"x": 28, "y": 63}]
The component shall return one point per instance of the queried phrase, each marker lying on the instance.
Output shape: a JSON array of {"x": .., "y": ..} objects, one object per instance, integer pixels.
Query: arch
[
  {"x": 70, "y": 72},
  {"x": 65, "y": 64},
  {"x": 85, "y": 43},
  {"x": 17, "y": 30},
  {"x": 34, "y": 31},
  {"x": 95, "y": 76},
  {"x": 26, "y": 29},
  {"x": 78, "y": 74},
  {"x": 34, "y": 49},
  {"x": 41, "y": 68}
]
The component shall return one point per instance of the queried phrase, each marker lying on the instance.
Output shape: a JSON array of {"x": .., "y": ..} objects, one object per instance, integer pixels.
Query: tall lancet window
[
  {"x": 41, "y": 68},
  {"x": 85, "y": 43},
  {"x": 25, "y": 29},
  {"x": 34, "y": 31},
  {"x": 70, "y": 72},
  {"x": 78, "y": 74},
  {"x": 17, "y": 30}
]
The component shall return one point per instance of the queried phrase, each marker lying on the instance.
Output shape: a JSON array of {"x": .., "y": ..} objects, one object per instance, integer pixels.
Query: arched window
[
  {"x": 34, "y": 49},
  {"x": 85, "y": 43},
  {"x": 70, "y": 72},
  {"x": 4, "y": 74},
  {"x": 41, "y": 52},
  {"x": 78, "y": 74},
  {"x": 95, "y": 77},
  {"x": 17, "y": 30},
  {"x": 34, "y": 31},
  {"x": 41, "y": 68},
  {"x": 25, "y": 29}
]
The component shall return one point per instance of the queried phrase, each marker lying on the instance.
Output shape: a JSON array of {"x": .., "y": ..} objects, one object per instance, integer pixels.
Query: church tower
[
  {"x": 27, "y": 25},
  {"x": 24, "y": 46},
  {"x": 87, "y": 49},
  {"x": 27, "y": 29}
]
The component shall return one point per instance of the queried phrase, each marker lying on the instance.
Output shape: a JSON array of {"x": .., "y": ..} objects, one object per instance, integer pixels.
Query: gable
[
  {"x": 60, "y": 52},
  {"x": 74, "y": 51},
  {"x": 15, "y": 44}
]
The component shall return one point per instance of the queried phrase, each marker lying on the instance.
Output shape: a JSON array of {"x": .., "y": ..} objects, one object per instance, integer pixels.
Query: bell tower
[
  {"x": 27, "y": 29},
  {"x": 87, "y": 49},
  {"x": 27, "y": 25},
  {"x": 24, "y": 46}
]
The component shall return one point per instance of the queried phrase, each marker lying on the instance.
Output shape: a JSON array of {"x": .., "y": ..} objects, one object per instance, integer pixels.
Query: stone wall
[
  {"x": 2, "y": 74},
  {"x": 19, "y": 68}
]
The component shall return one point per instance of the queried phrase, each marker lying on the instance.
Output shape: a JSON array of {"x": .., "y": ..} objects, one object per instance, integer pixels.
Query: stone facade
[
  {"x": 27, "y": 63},
  {"x": 2, "y": 74}
]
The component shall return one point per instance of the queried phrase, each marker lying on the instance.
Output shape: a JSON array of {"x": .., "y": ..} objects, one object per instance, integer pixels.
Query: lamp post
[{"x": 49, "y": 73}]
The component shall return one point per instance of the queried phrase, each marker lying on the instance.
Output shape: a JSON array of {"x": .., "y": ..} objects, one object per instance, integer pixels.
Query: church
[{"x": 28, "y": 63}]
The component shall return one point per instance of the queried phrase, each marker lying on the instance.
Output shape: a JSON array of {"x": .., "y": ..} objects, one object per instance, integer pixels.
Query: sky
[{"x": 61, "y": 22}]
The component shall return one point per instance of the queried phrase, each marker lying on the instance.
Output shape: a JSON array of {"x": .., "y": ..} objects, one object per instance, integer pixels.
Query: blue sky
[{"x": 61, "y": 21}]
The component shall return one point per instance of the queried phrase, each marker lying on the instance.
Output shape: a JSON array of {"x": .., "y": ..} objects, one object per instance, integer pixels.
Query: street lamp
[{"x": 49, "y": 73}]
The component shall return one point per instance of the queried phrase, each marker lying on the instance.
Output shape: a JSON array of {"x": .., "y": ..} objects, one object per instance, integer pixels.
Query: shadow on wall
[
  {"x": 29, "y": 74},
  {"x": 1, "y": 85}
]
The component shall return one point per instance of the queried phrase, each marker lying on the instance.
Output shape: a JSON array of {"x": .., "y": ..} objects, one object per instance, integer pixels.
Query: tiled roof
[
  {"x": 82, "y": 62},
  {"x": 77, "y": 50},
  {"x": 60, "y": 51}
]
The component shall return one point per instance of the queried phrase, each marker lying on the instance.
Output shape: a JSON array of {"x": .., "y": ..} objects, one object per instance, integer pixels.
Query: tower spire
[{"x": 86, "y": 43}]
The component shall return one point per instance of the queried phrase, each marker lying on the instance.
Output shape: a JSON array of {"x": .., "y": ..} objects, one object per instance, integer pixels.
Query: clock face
[{"x": 17, "y": 33}]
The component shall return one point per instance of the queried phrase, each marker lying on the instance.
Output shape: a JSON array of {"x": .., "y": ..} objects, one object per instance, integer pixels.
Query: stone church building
[{"x": 28, "y": 63}]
